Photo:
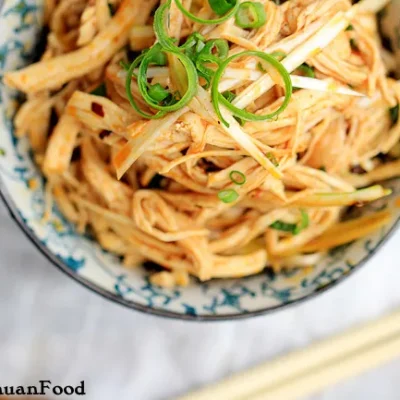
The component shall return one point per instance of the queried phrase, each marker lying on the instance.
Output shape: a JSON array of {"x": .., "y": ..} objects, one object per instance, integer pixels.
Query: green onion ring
[
  {"x": 129, "y": 94},
  {"x": 192, "y": 79},
  {"x": 228, "y": 196},
  {"x": 221, "y": 7},
  {"x": 234, "y": 177},
  {"x": 251, "y": 15},
  {"x": 206, "y": 56},
  {"x": 161, "y": 27},
  {"x": 191, "y": 16},
  {"x": 218, "y": 98}
]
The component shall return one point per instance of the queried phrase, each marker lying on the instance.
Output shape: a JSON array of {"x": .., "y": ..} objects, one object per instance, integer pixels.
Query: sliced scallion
[
  {"x": 218, "y": 98},
  {"x": 283, "y": 226},
  {"x": 192, "y": 80},
  {"x": 228, "y": 196},
  {"x": 251, "y": 15},
  {"x": 161, "y": 27},
  {"x": 237, "y": 177},
  {"x": 230, "y": 13},
  {"x": 214, "y": 52},
  {"x": 221, "y": 7},
  {"x": 159, "y": 59},
  {"x": 130, "y": 74},
  {"x": 158, "y": 93}
]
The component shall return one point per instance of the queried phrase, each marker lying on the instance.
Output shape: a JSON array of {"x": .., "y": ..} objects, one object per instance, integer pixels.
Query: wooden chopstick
[
  {"x": 302, "y": 366},
  {"x": 320, "y": 378}
]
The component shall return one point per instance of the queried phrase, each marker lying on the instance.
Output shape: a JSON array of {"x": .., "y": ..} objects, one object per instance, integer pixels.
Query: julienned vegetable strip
[{"x": 218, "y": 98}]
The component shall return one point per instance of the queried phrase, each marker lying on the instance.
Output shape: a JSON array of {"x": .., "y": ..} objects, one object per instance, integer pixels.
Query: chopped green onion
[
  {"x": 2, "y": 152},
  {"x": 323, "y": 168},
  {"x": 192, "y": 80},
  {"x": 161, "y": 27},
  {"x": 307, "y": 70},
  {"x": 194, "y": 44},
  {"x": 159, "y": 59},
  {"x": 283, "y": 226},
  {"x": 251, "y": 15},
  {"x": 232, "y": 11},
  {"x": 100, "y": 91},
  {"x": 214, "y": 52},
  {"x": 350, "y": 28},
  {"x": 394, "y": 114},
  {"x": 237, "y": 177},
  {"x": 218, "y": 98},
  {"x": 221, "y": 7},
  {"x": 130, "y": 74},
  {"x": 230, "y": 96},
  {"x": 295, "y": 229},
  {"x": 158, "y": 93},
  {"x": 304, "y": 223},
  {"x": 228, "y": 196},
  {"x": 273, "y": 159},
  {"x": 219, "y": 48}
]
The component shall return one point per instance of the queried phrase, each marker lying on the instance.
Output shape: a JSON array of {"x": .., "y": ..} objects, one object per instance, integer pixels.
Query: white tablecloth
[{"x": 52, "y": 328}]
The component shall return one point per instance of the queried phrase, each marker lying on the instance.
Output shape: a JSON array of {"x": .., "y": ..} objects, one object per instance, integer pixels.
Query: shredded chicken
[{"x": 151, "y": 189}]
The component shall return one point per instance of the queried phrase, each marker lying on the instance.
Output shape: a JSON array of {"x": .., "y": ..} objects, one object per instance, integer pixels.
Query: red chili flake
[{"x": 98, "y": 109}]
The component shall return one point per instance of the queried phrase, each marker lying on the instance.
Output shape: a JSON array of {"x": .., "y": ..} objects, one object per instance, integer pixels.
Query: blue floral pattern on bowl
[{"x": 21, "y": 186}]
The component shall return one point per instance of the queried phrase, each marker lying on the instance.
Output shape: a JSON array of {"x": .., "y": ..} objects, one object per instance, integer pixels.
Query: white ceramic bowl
[{"x": 21, "y": 187}]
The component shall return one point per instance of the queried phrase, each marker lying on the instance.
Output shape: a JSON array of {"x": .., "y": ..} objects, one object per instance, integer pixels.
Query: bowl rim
[{"x": 50, "y": 256}]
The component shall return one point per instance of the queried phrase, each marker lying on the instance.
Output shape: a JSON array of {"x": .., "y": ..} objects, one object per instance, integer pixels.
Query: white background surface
[{"x": 52, "y": 328}]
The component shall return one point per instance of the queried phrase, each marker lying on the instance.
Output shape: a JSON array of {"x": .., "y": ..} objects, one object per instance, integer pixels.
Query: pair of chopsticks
[{"x": 312, "y": 369}]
